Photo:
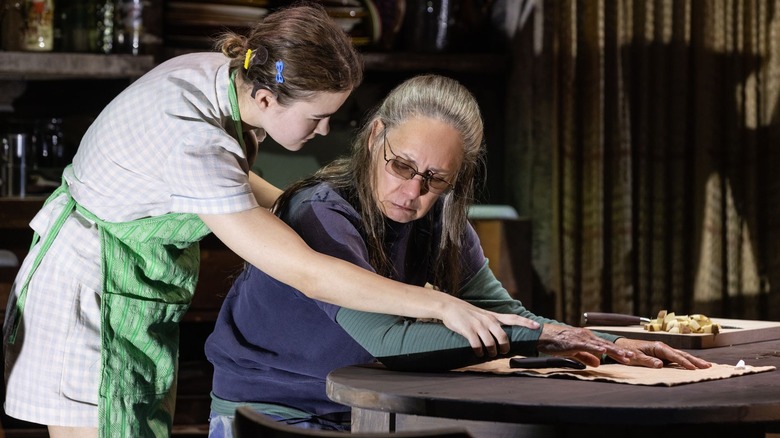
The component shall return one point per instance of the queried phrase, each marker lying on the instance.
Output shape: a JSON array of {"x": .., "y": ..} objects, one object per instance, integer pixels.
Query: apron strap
[{"x": 45, "y": 245}]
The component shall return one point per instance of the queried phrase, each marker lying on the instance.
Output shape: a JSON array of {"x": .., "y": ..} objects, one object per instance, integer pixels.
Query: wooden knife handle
[{"x": 602, "y": 318}]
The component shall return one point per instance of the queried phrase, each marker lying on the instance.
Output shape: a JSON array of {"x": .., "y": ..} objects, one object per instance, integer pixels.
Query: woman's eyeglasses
[{"x": 403, "y": 169}]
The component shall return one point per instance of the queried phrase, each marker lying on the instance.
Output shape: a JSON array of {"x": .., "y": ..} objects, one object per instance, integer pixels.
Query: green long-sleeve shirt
[{"x": 403, "y": 343}]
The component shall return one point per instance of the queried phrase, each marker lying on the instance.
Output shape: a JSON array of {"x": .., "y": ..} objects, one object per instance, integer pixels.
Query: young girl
[{"x": 91, "y": 334}]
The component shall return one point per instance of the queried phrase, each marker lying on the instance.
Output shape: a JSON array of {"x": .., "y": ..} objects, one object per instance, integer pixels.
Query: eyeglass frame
[{"x": 427, "y": 176}]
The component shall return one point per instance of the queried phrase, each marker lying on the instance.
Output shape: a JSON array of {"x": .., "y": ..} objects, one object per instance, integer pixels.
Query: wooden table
[{"x": 494, "y": 406}]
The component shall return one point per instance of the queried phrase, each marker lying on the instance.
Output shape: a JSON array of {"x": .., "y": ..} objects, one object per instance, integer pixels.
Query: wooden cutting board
[{"x": 751, "y": 331}]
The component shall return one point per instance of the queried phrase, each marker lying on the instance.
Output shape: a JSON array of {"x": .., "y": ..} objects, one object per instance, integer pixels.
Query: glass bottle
[
  {"x": 105, "y": 26},
  {"x": 5, "y": 166},
  {"x": 11, "y": 24},
  {"x": 59, "y": 22},
  {"x": 430, "y": 25},
  {"x": 15, "y": 158},
  {"x": 38, "y": 32},
  {"x": 129, "y": 26},
  {"x": 78, "y": 29},
  {"x": 50, "y": 150}
]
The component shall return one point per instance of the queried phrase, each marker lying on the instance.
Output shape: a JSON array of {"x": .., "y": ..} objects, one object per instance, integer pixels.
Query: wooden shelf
[
  {"x": 55, "y": 66},
  {"x": 485, "y": 63},
  {"x": 25, "y": 66}
]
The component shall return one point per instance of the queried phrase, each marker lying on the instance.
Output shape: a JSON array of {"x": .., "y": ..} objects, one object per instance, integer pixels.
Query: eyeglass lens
[{"x": 408, "y": 171}]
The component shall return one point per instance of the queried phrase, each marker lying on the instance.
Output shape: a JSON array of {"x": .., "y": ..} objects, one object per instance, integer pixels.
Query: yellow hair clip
[{"x": 247, "y": 58}]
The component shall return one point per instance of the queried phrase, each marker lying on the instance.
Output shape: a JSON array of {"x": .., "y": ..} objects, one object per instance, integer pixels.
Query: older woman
[{"x": 397, "y": 207}]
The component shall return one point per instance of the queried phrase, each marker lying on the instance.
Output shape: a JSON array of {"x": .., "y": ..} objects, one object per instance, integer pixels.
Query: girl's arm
[
  {"x": 265, "y": 241},
  {"x": 265, "y": 192}
]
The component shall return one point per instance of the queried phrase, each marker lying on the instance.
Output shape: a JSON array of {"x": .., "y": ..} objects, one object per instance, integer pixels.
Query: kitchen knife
[
  {"x": 620, "y": 319},
  {"x": 604, "y": 318},
  {"x": 545, "y": 362}
]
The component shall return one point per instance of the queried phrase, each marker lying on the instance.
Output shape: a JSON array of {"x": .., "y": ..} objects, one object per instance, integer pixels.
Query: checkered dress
[{"x": 165, "y": 144}]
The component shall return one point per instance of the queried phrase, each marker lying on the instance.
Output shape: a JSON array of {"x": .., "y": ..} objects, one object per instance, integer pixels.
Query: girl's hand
[{"x": 483, "y": 329}]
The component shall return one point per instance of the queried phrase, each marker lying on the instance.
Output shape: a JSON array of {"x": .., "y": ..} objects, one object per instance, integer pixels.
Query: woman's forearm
[{"x": 410, "y": 344}]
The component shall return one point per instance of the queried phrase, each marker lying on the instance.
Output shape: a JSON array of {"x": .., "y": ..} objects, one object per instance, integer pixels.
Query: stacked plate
[
  {"x": 359, "y": 19},
  {"x": 196, "y": 23}
]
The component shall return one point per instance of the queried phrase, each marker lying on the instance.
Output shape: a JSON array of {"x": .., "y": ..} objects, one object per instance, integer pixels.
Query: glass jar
[
  {"x": 38, "y": 33},
  {"x": 14, "y": 156}
]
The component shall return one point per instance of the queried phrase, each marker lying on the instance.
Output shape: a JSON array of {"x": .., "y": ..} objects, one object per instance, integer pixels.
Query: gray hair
[{"x": 431, "y": 96}]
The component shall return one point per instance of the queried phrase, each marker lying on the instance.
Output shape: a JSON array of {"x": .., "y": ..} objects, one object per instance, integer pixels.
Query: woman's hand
[
  {"x": 653, "y": 354},
  {"x": 482, "y": 328},
  {"x": 581, "y": 344}
]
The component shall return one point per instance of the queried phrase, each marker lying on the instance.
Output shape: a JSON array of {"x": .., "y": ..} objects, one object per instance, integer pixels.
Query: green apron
[{"x": 149, "y": 270}]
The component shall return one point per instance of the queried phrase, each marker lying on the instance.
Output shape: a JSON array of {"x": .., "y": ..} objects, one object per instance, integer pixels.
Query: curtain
[{"x": 642, "y": 140}]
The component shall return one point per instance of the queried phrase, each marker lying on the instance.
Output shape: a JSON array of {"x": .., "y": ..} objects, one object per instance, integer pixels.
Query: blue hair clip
[{"x": 279, "y": 69}]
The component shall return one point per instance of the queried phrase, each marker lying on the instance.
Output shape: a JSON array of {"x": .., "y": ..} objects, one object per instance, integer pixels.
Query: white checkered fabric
[
  {"x": 162, "y": 146},
  {"x": 52, "y": 368}
]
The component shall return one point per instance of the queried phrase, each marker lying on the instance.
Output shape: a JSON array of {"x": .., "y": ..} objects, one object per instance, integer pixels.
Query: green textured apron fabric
[{"x": 150, "y": 269}]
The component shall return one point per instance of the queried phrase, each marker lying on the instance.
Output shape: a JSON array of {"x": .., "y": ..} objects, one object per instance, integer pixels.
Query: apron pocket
[
  {"x": 81, "y": 364},
  {"x": 140, "y": 345}
]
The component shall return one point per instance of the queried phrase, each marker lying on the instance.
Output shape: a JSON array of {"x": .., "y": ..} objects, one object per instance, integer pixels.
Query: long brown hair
[
  {"x": 431, "y": 96},
  {"x": 316, "y": 54}
]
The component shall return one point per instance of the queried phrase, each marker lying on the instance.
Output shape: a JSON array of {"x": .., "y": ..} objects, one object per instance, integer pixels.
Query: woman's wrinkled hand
[
  {"x": 581, "y": 344},
  {"x": 653, "y": 354}
]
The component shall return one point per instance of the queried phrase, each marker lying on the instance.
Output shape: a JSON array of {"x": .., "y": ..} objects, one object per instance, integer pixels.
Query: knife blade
[
  {"x": 621, "y": 319},
  {"x": 611, "y": 319},
  {"x": 545, "y": 362}
]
